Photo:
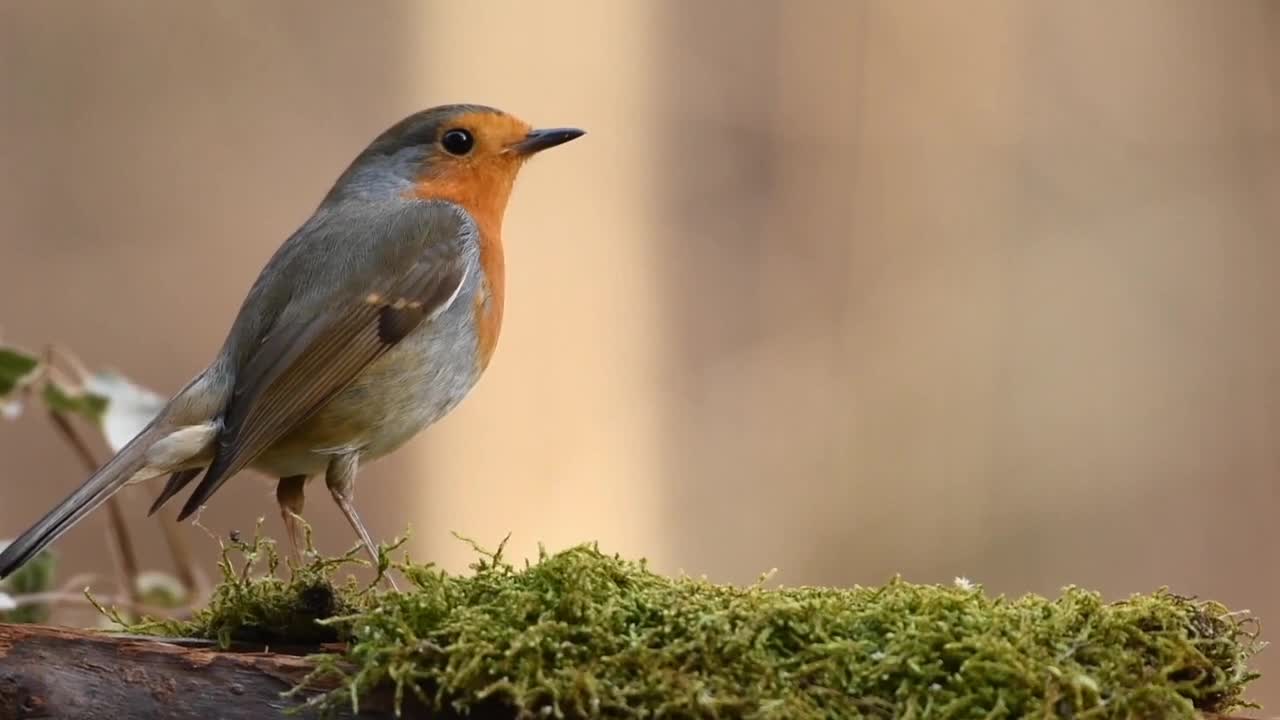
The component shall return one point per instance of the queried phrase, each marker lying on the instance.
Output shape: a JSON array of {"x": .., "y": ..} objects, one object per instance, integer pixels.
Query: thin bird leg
[
  {"x": 290, "y": 495},
  {"x": 341, "y": 479}
]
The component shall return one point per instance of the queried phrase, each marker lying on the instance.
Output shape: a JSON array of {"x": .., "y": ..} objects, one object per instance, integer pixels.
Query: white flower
[
  {"x": 964, "y": 583},
  {"x": 11, "y": 410}
]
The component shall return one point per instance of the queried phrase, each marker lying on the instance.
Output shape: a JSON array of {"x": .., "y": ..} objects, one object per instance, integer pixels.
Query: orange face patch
[{"x": 481, "y": 182}]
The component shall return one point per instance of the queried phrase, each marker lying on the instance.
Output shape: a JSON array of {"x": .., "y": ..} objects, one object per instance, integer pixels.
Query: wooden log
[{"x": 53, "y": 672}]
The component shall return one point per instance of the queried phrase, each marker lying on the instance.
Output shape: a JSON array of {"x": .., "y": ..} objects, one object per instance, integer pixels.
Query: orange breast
[
  {"x": 484, "y": 195},
  {"x": 488, "y": 303}
]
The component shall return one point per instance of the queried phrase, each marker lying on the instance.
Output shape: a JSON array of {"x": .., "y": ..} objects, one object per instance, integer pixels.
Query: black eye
[{"x": 458, "y": 141}]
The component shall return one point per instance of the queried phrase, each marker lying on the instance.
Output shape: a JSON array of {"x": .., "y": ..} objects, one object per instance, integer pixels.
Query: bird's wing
[{"x": 397, "y": 273}]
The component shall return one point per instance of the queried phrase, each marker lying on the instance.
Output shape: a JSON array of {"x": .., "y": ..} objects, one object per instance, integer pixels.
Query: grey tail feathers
[{"x": 104, "y": 483}]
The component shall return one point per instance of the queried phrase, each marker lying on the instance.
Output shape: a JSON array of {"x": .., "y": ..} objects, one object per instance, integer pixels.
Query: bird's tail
[
  {"x": 104, "y": 483},
  {"x": 170, "y": 443}
]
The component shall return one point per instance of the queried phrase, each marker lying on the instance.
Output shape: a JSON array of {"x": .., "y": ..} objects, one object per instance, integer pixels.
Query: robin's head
[{"x": 466, "y": 153}]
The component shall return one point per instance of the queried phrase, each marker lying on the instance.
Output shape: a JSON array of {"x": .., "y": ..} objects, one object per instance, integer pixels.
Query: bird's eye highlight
[{"x": 458, "y": 141}]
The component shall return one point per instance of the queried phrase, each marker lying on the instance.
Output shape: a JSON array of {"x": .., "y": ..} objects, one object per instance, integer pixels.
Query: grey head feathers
[{"x": 393, "y": 160}]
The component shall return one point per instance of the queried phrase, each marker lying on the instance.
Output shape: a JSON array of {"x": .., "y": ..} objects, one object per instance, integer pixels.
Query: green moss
[{"x": 581, "y": 633}]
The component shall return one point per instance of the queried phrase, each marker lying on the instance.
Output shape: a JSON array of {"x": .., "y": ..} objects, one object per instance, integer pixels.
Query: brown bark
[{"x": 51, "y": 672}]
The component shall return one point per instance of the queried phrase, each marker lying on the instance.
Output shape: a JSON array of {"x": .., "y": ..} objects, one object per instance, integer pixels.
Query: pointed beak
[{"x": 539, "y": 140}]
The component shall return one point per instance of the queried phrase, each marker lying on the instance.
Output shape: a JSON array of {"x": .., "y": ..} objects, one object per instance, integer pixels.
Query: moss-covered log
[
  {"x": 583, "y": 634},
  {"x": 51, "y": 672}
]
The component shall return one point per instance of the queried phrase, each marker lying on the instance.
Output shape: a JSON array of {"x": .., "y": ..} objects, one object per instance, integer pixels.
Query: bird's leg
[
  {"x": 290, "y": 495},
  {"x": 341, "y": 479}
]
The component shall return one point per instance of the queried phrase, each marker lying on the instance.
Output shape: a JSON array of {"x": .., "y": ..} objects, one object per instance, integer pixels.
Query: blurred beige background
[{"x": 843, "y": 288}]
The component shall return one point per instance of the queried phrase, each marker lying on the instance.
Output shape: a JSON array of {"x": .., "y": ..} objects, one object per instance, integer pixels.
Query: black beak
[{"x": 539, "y": 140}]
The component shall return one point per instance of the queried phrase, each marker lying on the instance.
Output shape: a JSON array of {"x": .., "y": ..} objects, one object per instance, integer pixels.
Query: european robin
[{"x": 370, "y": 323}]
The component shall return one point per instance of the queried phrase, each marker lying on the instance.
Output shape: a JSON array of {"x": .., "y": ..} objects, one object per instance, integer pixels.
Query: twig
[
  {"x": 70, "y": 598},
  {"x": 118, "y": 530},
  {"x": 196, "y": 583}
]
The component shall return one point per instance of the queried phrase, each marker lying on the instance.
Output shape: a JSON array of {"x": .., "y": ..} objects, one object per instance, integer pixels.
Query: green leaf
[
  {"x": 15, "y": 367},
  {"x": 74, "y": 401}
]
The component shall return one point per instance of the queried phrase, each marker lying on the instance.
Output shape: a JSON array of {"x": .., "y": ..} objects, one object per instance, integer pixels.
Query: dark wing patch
[
  {"x": 400, "y": 316},
  {"x": 302, "y": 364},
  {"x": 395, "y": 324}
]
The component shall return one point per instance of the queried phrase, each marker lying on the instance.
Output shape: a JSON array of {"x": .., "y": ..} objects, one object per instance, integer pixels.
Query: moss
[{"x": 581, "y": 633}]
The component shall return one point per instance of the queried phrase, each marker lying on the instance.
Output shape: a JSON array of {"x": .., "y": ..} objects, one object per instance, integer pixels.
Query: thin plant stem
[{"x": 70, "y": 598}]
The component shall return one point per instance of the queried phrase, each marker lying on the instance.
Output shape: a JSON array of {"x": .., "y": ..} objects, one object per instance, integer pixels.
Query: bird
[{"x": 371, "y": 321}]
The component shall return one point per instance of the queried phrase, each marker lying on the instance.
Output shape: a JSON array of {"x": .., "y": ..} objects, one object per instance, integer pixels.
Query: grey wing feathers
[{"x": 412, "y": 269}]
